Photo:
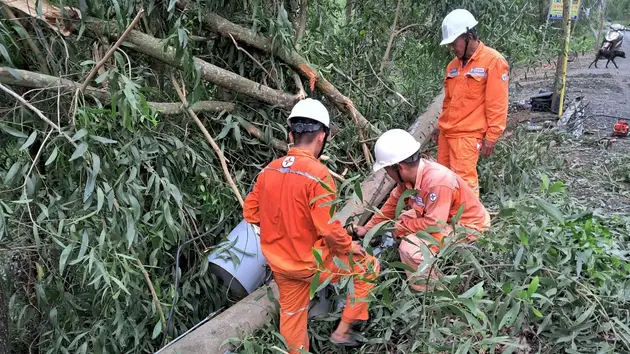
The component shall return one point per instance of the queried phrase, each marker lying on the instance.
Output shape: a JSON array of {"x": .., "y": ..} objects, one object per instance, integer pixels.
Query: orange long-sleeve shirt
[
  {"x": 290, "y": 205},
  {"x": 476, "y": 96},
  {"x": 439, "y": 194}
]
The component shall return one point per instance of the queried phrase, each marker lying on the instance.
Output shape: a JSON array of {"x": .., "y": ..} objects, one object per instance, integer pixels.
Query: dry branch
[
  {"x": 41, "y": 59},
  {"x": 226, "y": 28},
  {"x": 205, "y": 132},
  {"x": 391, "y": 40},
  {"x": 155, "y": 48},
  {"x": 50, "y": 14},
  {"x": 111, "y": 50},
  {"x": 37, "y": 112},
  {"x": 29, "y": 79}
]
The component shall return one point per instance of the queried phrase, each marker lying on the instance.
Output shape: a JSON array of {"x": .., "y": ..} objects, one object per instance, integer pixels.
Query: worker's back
[{"x": 285, "y": 192}]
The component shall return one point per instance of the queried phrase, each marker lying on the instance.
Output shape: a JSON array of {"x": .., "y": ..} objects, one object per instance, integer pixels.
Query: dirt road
[{"x": 597, "y": 168}]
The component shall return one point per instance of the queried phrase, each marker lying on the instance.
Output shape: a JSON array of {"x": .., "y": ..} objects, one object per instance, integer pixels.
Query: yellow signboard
[{"x": 555, "y": 9}]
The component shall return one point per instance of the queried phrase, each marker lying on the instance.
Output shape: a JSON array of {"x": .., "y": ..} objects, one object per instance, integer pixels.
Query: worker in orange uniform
[
  {"x": 294, "y": 219},
  {"x": 439, "y": 193},
  {"x": 474, "y": 111}
]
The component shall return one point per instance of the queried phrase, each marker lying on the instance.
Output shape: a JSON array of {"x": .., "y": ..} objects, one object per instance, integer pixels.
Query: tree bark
[
  {"x": 349, "y": 6},
  {"x": 154, "y": 47},
  {"x": 29, "y": 79},
  {"x": 392, "y": 34},
  {"x": 228, "y": 29}
]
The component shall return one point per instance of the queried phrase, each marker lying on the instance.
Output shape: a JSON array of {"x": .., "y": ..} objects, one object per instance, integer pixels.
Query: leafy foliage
[{"x": 89, "y": 230}]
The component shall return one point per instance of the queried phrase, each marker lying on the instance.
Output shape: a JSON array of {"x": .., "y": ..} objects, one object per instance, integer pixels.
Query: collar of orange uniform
[
  {"x": 477, "y": 52},
  {"x": 419, "y": 174},
  {"x": 475, "y": 55},
  {"x": 295, "y": 151}
]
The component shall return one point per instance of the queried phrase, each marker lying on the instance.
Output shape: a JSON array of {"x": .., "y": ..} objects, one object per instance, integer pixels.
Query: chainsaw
[{"x": 621, "y": 128}]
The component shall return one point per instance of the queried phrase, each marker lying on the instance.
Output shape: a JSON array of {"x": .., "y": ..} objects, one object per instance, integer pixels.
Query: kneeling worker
[
  {"x": 287, "y": 203},
  {"x": 439, "y": 195}
]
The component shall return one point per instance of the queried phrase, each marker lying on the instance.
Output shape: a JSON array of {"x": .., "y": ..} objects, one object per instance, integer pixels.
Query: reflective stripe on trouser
[
  {"x": 410, "y": 251},
  {"x": 461, "y": 156},
  {"x": 294, "y": 299}
]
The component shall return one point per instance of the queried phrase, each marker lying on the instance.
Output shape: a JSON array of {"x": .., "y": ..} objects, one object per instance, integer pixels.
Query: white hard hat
[
  {"x": 311, "y": 109},
  {"x": 456, "y": 23},
  {"x": 392, "y": 147}
]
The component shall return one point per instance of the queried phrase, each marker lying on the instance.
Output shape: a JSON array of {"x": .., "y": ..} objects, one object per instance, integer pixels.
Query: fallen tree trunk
[
  {"x": 29, "y": 79},
  {"x": 228, "y": 29},
  {"x": 154, "y": 47},
  {"x": 253, "y": 312}
]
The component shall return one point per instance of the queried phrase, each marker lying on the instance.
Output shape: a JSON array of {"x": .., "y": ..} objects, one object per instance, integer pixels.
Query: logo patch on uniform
[
  {"x": 453, "y": 72},
  {"x": 288, "y": 161},
  {"x": 416, "y": 198},
  {"x": 432, "y": 196},
  {"x": 478, "y": 71},
  {"x": 504, "y": 77}
]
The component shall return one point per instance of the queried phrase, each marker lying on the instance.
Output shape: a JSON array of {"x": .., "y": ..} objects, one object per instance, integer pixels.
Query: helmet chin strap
[
  {"x": 397, "y": 169},
  {"x": 465, "y": 56},
  {"x": 327, "y": 132}
]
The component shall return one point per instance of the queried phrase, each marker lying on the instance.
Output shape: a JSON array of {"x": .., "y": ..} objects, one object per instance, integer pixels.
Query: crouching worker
[
  {"x": 287, "y": 203},
  {"x": 439, "y": 193}
]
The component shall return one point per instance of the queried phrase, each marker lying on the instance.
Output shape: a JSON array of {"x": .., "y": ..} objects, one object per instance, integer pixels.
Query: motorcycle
[{"x": 614, "y": 37}]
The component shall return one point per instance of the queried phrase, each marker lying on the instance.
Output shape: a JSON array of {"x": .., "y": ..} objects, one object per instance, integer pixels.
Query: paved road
[{"x": 597, "y": 176}]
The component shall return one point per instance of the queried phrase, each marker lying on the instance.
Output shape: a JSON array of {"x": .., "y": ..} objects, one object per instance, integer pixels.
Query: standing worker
[
  {"x": 294, "y": 219},
  {"x": 474, "y": 111},
  {"x": 439, "y": 195}
]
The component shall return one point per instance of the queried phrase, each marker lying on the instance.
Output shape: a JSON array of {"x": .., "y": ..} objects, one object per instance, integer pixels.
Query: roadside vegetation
[{"x": 101, "y": 183}]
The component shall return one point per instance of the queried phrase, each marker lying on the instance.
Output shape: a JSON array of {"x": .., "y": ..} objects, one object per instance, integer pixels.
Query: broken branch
[
  {"x": 111, "y": 50},
  {"x": 214, "y": 145},
  {"x": 41, "y": 59},
  {"x": 390, "y": 41},
  {"x": 226, "y": 28},
  {"x": 29, "y": 79},
  {"x": 155, "y": 48}
]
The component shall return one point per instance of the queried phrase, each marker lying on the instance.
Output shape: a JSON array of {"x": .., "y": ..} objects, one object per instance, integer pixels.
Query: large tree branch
[
  {"x": 29, "y": 79},
  {"x": 391, "y": 40},
  {"x": 226, "y": 28},
  {"x": 155, "y": 48}
]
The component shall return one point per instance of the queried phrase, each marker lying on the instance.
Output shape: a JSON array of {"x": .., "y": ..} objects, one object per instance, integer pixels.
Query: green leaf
[
  {"x": 585, "y": 315},
  {"x": 84, "y": 244},
  {"x": 11, "y": 131},
  {"x": 537, "y": 313},
  {"x": 52, "y": 156},
  {"x": 340, "y": 264},
  {"x": 323, "y": 284},
  {"x": 318, "y": 257},
  {"x": 102, "y": 140},
  {"x": 11, "y": 174},
  {"x": 63, "y": 259},
  {"x": 533, "y": 286},
  {"x": 464, "y": 348},
  {"x": 510, "y": 316},
  {"x": 80, "y": 150},
  {"x": 401, "y": 202},
  {"x": 472, "y": 291},
  {"x": 120, "y": 285},
  {"x": 131, "y": 230},
  {"x": 551, "y": 210},
  {"x": 373, "y": 231},
  {"x": 157, "y": 330},
  {"x": 5, "y": 54},
  {"x": 80, "y": 134},
  {"x": 314, "y": 285},
  {"x": 53, "y": 316},
  {"x": 402, "y": 266},
  {"x": 358, "y": 191},
  {"x": 29, "y": 141}
]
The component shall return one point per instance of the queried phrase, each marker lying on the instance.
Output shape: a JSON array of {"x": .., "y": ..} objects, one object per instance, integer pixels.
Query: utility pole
[
  {"x": 561, "y": 68},
  {"x": 602, "y": 12}
]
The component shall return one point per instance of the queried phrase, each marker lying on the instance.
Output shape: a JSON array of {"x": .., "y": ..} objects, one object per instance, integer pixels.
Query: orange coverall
[
  {"x": 474, "y": 108},
  {"x": 293, "y": 221},
  {"x": 439, "y": 194}
]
